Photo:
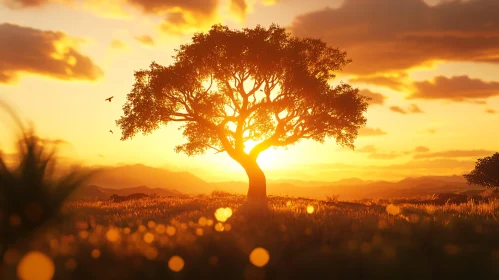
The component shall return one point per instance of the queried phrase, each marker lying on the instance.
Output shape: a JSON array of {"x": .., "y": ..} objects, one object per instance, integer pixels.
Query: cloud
[
  {"x": 376, "y": 98},
  {"x": 455, "y": 154},
  {"x": 239, "y": 7},
  {"x": 392, "y": 82},
  {"x": 421, "y": 149},
  {"x": 117, "y": 44},
  {"x": 390, "y": 155},
  {"x": 391, "y": 35},
  {"x": 411, "y": 168},
  {"x": 434, "y": 165},
  {"x": 145, "y": 40},
  {"x": 413, "y": 108},
  {"x": 366, "y": 131},
  {"x": 367, "y": 149},
  {"x": 162, "y": 6},
  {"x": 490, "y": 111},
  {"x": 20, "y": 4},
  {"x": 458, "y": 88},
  {"x": 397, "y": 109},
  {"x": 48, "y": 53},
  {"x": 180, "y": 17}
]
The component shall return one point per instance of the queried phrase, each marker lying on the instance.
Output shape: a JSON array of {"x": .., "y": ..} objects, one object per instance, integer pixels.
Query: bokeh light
[
  {"x": 219, "y": 227},
  {"x": 95, "y": 253},
  {"x": 161, "y": 229},
  {"x": 222, "y": 214},
  {"x": 176, "y": 263},
  {"x": 310, "y": 209},
  {"x": 259, "y": 257},
  {"x": 151, "y": 224},
  {"x": 202, "y": 221},
  {"x": 393, "y": 209},
  {"x": 83, "y": 234},
  {"x": 112, "y": 235},
  {"x": 149, "y": 237},
  {"x": 35, "y": 266},
  {"x": 171, "y": 230}
]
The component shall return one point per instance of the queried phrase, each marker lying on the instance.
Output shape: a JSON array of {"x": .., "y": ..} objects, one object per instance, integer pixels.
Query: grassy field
[{"x": 187, "y": 238}]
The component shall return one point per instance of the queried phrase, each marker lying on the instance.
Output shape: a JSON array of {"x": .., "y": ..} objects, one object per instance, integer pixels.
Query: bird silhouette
[
  {"x": 109, "y": 99},
  {"x": 111, "y": 131}
]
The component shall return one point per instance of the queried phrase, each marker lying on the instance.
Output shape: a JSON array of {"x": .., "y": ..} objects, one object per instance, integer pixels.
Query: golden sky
[{"x": 431, "y": 68}]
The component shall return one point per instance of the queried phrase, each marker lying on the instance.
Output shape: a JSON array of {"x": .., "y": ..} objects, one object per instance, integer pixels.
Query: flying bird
[
  {"x": 111, "y": 131},
  {"x": 109, "y": 99}
]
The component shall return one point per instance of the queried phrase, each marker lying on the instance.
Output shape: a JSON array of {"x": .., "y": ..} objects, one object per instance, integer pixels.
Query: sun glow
[{"x": 267, "y": 159}]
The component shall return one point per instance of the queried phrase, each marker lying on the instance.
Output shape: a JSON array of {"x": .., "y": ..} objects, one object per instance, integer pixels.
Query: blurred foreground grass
[{"x": 188, "y": 238}]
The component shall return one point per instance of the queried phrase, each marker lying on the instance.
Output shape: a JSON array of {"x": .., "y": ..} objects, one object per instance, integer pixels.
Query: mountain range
[{"x": 128, "y": 179}]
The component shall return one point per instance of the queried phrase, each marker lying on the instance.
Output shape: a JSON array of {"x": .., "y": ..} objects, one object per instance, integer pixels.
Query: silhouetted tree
[
  {"x": 486, "y": 172},
  {"x": 30, "y": 192},
  {"x": 232, "y": 86}
]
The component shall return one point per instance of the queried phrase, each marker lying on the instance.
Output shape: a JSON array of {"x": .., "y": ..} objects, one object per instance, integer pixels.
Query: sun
[{"x": 267, "y": 159}]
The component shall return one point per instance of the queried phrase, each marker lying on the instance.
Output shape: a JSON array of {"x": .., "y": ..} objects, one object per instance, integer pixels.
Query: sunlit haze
[{"x": 433, "y": 83}]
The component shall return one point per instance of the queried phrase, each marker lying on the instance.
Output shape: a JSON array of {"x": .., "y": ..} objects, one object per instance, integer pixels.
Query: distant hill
[
  {"x": 359, "y": 189},
  {"x": 129, "y": 176},
  {"x": 93, "y": 192},
  {"x": 176, "y": 183}
]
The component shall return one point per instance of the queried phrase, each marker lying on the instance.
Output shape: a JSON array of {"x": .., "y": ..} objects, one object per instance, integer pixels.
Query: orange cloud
[
  {"x": 117, "y": 44},
  {"x": 145, "y": 39},
  {"x": 413, "y": 108},
  {"x": 204, "y": 7},
  {"x": 490, "y": 111},
  {"x": 458, "y": 88},
  {"x": 376, "y": 98},
  {"x": 239, "y": 7},
  {"x": 48, "y": 53},
  {"x": 367, "y": 149},
  {"x": 391, "y": 35},
  {"x": 410, "y": 168},
  {"x": 391, "y": 155},
  {"x": 19, "y": 4},
  {"x": 455, "y": 154},
  {"x": 180, "y": 16},
  {"x": 421, "y": 149},
  {"x": 366, "y": 131},
  {"x": 397, "y": 109},
  {"x": 391, "y": 82}
]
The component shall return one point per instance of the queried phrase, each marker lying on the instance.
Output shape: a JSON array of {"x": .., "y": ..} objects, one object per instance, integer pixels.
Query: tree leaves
[
  {"x": 231, "y": 86},
  {"x": 486, "y": 172}
]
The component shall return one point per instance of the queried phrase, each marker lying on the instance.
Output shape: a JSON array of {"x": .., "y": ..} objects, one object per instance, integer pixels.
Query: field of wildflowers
[{"x": 211, "y": 237}]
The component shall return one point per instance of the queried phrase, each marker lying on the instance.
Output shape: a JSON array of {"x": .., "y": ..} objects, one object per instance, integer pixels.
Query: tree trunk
[{"x": 257, "y": 190}]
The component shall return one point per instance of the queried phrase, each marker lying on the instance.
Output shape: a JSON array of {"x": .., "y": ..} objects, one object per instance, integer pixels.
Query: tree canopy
[
  {"x": 486, "y": 172},
  {"x": 207, "y": 88},
  {"x": 231, "y": 86}
]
